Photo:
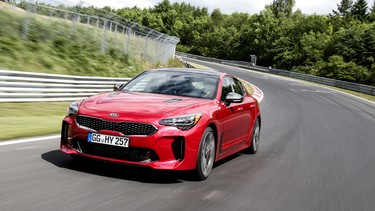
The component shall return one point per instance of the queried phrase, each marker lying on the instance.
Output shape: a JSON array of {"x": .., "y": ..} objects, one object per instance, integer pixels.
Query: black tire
[
  {"x": 206, "y": 155},
  {"x": 255, "y": 138}
]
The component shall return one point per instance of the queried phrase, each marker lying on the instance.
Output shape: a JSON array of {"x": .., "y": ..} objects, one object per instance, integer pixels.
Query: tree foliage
[
  {"x": 359, "y": 10},
  {"x": 282, "y": 7},
  {"x": 344, "y": 8}
]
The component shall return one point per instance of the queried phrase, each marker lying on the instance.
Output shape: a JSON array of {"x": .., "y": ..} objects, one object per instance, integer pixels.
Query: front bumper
[{"x": 169, "y": 148}]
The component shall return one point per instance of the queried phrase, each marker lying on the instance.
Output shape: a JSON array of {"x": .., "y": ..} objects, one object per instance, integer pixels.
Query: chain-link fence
[{"x": 44, "y": 19}]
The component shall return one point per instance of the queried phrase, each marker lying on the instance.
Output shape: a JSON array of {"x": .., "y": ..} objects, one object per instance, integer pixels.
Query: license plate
[{"x": 107, "y": 139}]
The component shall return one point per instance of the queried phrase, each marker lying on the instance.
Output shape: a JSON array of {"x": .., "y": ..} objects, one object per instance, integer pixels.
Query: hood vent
[{"x": 175, "y": 100}]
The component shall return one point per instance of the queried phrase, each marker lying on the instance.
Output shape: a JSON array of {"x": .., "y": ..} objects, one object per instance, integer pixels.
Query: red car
[{"x": 173, "y": 119}]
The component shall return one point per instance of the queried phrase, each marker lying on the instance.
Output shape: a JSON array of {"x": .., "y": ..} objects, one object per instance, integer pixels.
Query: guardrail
[
  {"x": 321, "y": 80},
  {"x": 16, "y": 86}
]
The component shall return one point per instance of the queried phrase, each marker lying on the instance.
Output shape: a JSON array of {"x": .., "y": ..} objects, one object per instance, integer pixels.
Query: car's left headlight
[
  {"x": 183, "y": 122},
  {"x": 73, "y": 109}
]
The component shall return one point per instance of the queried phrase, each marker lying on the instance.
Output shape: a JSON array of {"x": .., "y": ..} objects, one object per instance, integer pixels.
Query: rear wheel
[
  {"x": 255, "y": 138},
  {"x": 206, "y": 155}
]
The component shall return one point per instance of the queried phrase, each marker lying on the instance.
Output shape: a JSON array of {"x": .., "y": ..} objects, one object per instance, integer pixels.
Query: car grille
[
  {"x": 129, "y": 154},
  {"x": 126, "y": 128}
]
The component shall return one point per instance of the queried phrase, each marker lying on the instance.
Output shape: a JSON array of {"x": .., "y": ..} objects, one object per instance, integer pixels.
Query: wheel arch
[{"x": 216, "y": 135}]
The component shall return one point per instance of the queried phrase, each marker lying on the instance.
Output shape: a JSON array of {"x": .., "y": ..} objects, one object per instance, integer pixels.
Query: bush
[{"x": 337, "y": 68}]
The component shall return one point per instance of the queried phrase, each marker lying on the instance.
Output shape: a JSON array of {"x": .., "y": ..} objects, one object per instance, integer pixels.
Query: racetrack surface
[{"x": 317, "y": 153}]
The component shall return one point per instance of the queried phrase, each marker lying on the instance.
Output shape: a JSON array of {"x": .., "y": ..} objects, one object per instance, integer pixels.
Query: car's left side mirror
[
  {"x": 118, "y": 86},
  {"x": 233, "y": 97}
]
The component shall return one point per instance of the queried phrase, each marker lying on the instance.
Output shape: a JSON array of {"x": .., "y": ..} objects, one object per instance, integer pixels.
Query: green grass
[{"x": 19, "y": 120}]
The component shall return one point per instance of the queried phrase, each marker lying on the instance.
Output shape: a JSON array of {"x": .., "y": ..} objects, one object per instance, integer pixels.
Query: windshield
[{"x": 188, "y": 84}]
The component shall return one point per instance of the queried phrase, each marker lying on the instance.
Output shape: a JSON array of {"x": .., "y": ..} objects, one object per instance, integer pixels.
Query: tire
[
  {"x": 206, "y": 155},
  {"x": 255, "y": 137}
]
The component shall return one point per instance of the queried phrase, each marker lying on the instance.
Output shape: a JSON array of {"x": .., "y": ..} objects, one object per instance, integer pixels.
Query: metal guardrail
[
  {"x": 16, "y": 86},
  {"x": 321, "y": 80}
]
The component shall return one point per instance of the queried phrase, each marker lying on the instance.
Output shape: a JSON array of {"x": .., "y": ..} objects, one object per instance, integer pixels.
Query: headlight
[
  {"x": 73, "y": 109},
  {"x": 184, "y": 122}
]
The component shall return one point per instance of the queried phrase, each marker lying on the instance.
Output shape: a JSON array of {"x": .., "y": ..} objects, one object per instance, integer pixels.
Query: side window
[
  {"x": 238, "y": 87},
  {"x": 226, "y": 88}
]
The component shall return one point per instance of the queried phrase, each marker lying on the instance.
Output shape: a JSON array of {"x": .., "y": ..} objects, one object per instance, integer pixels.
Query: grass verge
[{"x": 19, "y": 120}]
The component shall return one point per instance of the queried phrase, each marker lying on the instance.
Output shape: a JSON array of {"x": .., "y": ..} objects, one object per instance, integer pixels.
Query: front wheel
[
  {"x": 206, "y": 155},
  {"x": 255, "y": 138}
]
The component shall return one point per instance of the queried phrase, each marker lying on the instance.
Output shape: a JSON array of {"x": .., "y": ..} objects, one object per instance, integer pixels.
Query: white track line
[
  {"x": 258, "y": 93},
  {"x": 19, "y": 141}
]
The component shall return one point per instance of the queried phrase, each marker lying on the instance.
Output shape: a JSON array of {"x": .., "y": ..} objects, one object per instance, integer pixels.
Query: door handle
[
  {"x": 252, "y": 106},
  {"x": 240, "y": 109}
]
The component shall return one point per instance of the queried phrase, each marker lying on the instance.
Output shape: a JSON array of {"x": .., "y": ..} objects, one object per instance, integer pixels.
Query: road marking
[
  {"x": 258, "y": 93},
  {"x": 313, "y": 91},
  {"x": 213, "y": 195},
  {"x": 26, "y": 148},
  {"x": 19, "y": 141}
]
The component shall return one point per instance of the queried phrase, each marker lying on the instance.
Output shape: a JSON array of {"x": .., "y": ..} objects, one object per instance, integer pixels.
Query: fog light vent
[
  {"x": 64, "y": 132},
  {"x": 178, "y": 148}
]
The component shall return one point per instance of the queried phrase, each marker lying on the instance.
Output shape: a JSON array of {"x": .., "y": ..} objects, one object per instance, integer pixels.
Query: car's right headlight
[
  {"x": 184, "y": 122},
  {"x": 73, "y": 109}
]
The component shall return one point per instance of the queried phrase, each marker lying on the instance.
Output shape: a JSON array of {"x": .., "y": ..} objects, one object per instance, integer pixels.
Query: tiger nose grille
[{"x": 126, "y": 128}]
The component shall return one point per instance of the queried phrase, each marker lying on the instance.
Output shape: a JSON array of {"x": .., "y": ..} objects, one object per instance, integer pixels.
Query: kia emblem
[{"x": 113, "y": 114}]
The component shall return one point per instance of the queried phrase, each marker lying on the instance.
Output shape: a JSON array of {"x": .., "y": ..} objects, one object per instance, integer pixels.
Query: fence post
[
  {"x": 104, "y": 37},
  {"x": 26, "y": 23},
  {"x": 75, "y": 18},
  {"x": 157, "y": 40},
  {"x": 129, "y": 31},
  {"x": 146, "y": 45},
  {"x": 110, "y": 26}
]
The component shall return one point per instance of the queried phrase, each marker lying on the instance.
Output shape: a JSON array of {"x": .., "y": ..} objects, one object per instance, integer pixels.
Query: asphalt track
[{"x": 317, "y": 152}]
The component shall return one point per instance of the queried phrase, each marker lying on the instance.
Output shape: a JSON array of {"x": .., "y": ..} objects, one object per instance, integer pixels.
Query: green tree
[
  {"x": 359, "y": 10},
  {"x": 337, "y": 68},
  {"x": 217, "y": 17},
  {"x": 302, "y": 41},
  {"x": 344, "y": 8},
  {"x": 282, "y": 7},
  {"x": 372, "y": 12}
]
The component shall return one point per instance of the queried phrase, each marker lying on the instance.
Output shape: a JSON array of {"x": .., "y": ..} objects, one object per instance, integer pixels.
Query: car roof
[{"x": 189, "y": 70}]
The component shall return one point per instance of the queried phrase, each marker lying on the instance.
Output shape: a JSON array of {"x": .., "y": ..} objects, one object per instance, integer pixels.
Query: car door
[{"x": 233, "y": 120}]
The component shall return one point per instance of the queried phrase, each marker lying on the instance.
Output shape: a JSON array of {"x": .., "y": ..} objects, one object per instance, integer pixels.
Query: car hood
[{"x": 139, "y": 104}]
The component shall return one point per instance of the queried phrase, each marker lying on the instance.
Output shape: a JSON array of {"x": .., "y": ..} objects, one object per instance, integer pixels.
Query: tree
[
  {"x": 217, "y": 16},
  {"x": 282, "y": 7},
  {"x": 359, "y": 10},
  {"x": 344, "y": 8},
  {"x": 372, "y": 13},
  {"x": 337, "y": 68},
  {"x": 163, "y": 6}
]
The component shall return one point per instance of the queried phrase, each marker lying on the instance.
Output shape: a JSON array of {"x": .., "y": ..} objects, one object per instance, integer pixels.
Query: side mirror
[
  {"x": 118, "y": 86},
  {"x": 233, "y": 98}
]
